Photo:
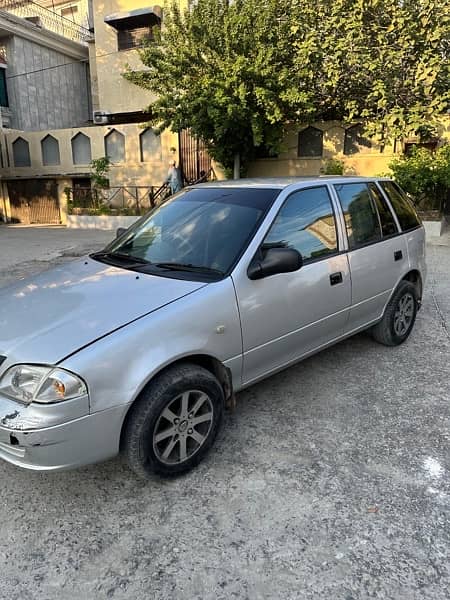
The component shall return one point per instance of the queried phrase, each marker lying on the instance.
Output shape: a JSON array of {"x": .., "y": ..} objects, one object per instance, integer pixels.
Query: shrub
[
  {"x": 333, "y": 166},
  {"x": 425, "y": 176}
]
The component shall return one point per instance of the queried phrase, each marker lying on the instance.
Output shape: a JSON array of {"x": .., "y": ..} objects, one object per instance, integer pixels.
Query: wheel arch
[
  {"x": 210, "y": 363},
  {"x": 415, "y": 278}
]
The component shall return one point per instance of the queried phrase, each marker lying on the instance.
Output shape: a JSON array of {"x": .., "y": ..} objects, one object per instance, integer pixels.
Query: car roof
[{"x": 282, "y": 182}]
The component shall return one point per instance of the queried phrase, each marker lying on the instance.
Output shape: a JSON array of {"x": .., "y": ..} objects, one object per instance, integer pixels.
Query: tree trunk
[{"x": 237, "y": 166}]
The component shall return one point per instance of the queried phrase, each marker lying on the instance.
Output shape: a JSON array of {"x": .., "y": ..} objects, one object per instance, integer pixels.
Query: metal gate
[
  {"x": 195, "y": 162},
  {"x": 34, "y": 201}
]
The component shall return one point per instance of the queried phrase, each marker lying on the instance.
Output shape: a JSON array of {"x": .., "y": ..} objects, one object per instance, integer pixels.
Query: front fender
[{"x": 117, "y": 367}]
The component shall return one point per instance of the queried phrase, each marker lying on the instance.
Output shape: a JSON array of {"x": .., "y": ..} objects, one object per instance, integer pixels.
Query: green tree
[
  {"x": 224, "y": 70},
  {"x": 238, "y": 72},
  {"x": 385, "y": 62}
]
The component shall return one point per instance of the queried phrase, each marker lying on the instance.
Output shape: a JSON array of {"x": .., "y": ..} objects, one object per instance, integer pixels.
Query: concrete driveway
[
  {"x": 331, "y": 481},
  {"x": 25, "y": 249}
]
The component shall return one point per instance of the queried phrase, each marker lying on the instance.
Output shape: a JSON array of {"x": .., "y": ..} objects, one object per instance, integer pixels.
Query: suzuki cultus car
[{"x": 139, "y": 347}]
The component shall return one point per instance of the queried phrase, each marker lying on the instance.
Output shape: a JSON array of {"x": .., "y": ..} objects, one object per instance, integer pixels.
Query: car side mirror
[
  {"x": 273, "y": 261},
  {"x": 120, "y": 231}
]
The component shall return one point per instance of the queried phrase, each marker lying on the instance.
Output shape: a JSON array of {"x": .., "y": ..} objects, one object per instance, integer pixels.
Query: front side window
[
  {"x": 387, "y": 222},
  {"x": 406, "y": 214},
  {"x": 306, "y": 222},
  {"x": 361, "y": 219},
  {"x": 199, "y": 231}
]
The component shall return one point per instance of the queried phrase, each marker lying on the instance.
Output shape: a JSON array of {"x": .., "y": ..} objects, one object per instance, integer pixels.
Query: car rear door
[
  {"x": 288, "y": 315},
  {"x": 377, "y": 251}
]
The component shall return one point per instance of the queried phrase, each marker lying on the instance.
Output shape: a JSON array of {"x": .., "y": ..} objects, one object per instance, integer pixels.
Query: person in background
[{"x": 174, "y": 178}]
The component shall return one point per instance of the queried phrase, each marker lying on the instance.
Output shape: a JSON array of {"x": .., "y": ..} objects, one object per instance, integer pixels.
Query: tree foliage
[
  {"x": 225, "y": 71},
  {"x": 425, "y": 175},
  {"x": 237, "y": 72},
  {"x": 385, "y": 62}
]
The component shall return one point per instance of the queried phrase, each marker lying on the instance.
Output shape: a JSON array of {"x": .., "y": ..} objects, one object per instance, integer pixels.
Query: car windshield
[{"x": 200, "y": 230}]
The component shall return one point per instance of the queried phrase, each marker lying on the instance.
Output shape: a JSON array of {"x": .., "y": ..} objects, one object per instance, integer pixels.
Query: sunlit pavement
[
  {"x": 329, "y": 481},
  {"x": 25, "y": 250}
]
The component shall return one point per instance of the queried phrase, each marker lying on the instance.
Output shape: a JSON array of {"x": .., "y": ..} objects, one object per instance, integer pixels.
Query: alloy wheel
[
  {"x": 404, "y": 314},
  {"x": 183, "y": 427}
]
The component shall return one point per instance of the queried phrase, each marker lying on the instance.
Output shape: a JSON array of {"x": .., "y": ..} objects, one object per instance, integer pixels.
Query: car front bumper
[{"x": 30, "y": 437}]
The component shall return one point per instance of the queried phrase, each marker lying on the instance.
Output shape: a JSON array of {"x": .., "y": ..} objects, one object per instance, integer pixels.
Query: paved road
[
  {"x": 330, "y": 481},
  {"x": 25, "y": 250}
]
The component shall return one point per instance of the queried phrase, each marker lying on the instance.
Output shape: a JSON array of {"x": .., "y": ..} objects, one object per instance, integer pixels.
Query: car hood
[{"x": 45, "y": 318}]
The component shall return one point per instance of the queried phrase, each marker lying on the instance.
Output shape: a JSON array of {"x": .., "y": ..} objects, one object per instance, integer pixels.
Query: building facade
[
  {"x": 69, "y": 19},
  {"x": 120, "y": 27},
  {"x": 64, "y": 101},
  {"x": 308, "y": 150},
  {"x": 77, "y": 11},
  {"x": 44, "y": 77}
]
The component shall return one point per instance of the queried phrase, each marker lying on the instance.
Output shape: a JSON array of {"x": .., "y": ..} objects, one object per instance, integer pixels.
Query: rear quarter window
[
  {"x": 406, "y": 213},
  {"x": 388, "y": 225}
]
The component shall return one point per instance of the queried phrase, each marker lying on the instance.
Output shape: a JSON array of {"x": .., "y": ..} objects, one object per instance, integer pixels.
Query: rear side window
[
  {"x": 404, "y": 210},
  {"x": 306, "y": 222},
  {"x": 361, "y": 219},
  {"x": 388, "y": 225}
]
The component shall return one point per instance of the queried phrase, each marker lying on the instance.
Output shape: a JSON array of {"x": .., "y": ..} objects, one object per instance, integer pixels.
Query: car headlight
[{"x": 35, "y": 383}]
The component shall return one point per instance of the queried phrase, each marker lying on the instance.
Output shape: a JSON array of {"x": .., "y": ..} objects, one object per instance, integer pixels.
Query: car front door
[
  {"x": 377, "y": 253},
  {"x": 288, "y": 315}
]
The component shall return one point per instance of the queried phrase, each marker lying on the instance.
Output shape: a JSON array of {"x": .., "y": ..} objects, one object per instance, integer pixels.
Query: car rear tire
[
  {"x": 174, "y": 423},
  {"x": 399, "y": 316}
]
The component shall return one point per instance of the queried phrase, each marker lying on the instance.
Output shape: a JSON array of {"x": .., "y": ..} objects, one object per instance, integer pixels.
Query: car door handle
[
  {"x": 398, "y": 255},
  {"x": 336, "y": 278}
]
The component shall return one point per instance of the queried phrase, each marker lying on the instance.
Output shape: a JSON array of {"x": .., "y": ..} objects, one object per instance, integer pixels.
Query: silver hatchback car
[{"x": 138, "y": 348}]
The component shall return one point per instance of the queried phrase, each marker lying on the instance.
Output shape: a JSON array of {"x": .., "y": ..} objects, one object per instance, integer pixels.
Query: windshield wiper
[
  {"x": 270, "y": 245},
  {"x": 174, "y": 266},
  {"x": 121, "y": 256}
]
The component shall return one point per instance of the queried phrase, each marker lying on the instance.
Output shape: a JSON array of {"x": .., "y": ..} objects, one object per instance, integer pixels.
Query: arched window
[
  {"x": 354, "y": 139},
  {"x": 50, "y": 151},
  {"x": 310, "y": 143},
  {"x": 21, "y": 153},
  {"x": 150, "y": 145},
  {"x": 81, "y": 149},
  {"x": 115, "y": 146}
]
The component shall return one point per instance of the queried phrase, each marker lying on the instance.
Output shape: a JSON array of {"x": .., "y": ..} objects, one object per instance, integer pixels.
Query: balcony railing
[{"x": 46, "y": 19}]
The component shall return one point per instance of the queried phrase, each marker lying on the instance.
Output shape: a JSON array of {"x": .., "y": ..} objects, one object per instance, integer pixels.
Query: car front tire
[{"x": 174, "y": 422}]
